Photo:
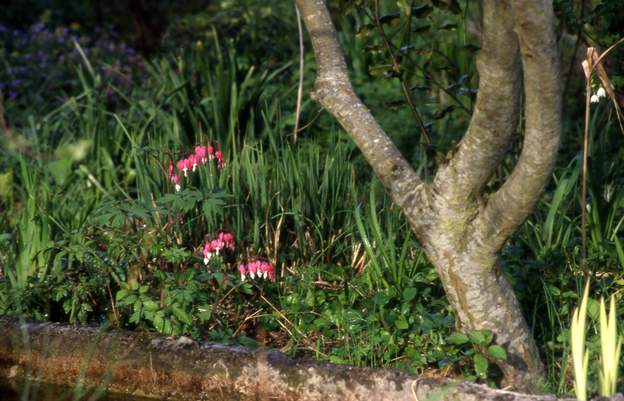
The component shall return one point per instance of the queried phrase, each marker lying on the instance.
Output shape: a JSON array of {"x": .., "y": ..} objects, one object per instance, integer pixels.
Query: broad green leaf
[
  {"x": 457, "y": 338},
  {"x": 121, "y": 294},
  {"x": 401, "y": 323},
  {"x": 480, "y": 337},
  {"x": 159, "y": 322},
  {"x": 181, "y": 314},
  {"x": 309, "y": 299},
  {"x": 150, "y": 305},
  {"x": 497, "y": 352},
  {"x": 130, "y": 299},
  {"x": 60, "y": 170},
  {"x": 480, "y": 365},
  {"x": 409, "y": 294}
]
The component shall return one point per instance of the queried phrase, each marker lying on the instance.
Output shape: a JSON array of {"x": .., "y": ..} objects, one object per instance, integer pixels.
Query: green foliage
[
  {"x": 479, "y": 347},
  {"x": 92, "y": 229}
]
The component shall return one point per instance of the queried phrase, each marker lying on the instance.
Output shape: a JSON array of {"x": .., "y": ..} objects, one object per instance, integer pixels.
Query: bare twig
[
  {"x": 397, "y": 69},
  {"x": 301, "y": 65},
  {"x": 589, "y": 60}
]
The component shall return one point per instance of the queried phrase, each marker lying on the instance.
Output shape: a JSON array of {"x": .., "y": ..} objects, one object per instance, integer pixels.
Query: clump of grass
[
  {"x": 610, "y": 347},
  {"x": 579, "y": 354}
]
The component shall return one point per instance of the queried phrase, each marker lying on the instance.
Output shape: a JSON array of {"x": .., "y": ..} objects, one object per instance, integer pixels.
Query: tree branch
[
  {"x": 496, "y": 112},
  {"x": 334, "y": 92},
  {"x": 514, "y": 201}
]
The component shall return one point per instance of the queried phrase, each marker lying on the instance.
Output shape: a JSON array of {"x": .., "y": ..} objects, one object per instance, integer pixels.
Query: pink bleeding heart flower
[
  {"x": 181, "y": 164},
  {"x": 207, "y": 253},
  {"x": 175, "y": 179},
  {"x": 210, "y": 152},
  {"x": 267, "y": 271},
  {"x": 252, "y": 268},
  {"x": 200, "y": 152},
  {"x": 217, "y": 245},
  {"x": 220, "y": 159},
  {"x": 194, "y": 160},
  {"x": 184, "y": 166},
  {"x": 259, "y": 269},
  {"x": 228, "y": 239}
]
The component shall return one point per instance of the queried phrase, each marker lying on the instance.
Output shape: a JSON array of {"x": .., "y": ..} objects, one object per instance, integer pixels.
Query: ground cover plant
[{"x": 94, "y": 228}]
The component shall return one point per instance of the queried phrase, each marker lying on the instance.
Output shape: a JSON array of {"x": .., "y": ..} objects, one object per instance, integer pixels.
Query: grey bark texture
[
  {"x": 461, "y": 228},
  {"x": 149, "y": 365}
]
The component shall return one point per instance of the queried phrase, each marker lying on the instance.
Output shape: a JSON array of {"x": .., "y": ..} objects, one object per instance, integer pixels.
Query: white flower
[
  {"x": 594, "y": 99},
  {"x": 601, "y": 92},
  {"x": 178, "y": 187}
]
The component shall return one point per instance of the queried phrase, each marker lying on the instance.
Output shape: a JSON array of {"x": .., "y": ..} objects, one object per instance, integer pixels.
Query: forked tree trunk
[
  {"x": 461, "y": 228},
  {"x": 482, "y": 298}
]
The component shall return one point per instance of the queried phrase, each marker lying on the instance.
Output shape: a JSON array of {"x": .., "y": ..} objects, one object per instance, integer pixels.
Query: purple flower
[
  {"x": 20, "y": 69},
  {"x": 3, "y": 28},
  {"x": 37, "y": 28}
]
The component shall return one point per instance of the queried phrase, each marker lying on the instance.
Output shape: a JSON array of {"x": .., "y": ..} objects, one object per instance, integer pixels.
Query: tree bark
[
  {"x": 149, "y": 365},
  {"x": 461, "y": 228}
]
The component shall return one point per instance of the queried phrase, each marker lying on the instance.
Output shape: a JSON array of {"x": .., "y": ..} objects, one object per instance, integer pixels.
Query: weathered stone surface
[{"x": 150, "y": 365}]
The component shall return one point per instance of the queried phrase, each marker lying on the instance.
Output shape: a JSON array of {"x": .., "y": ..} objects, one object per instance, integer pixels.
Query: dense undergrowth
[{"x": 92, "y": 228}]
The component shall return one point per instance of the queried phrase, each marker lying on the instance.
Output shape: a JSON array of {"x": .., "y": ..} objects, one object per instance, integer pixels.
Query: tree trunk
[
  {"x": 482, "y": 298},
  {"x": 461, "y": 228}
]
